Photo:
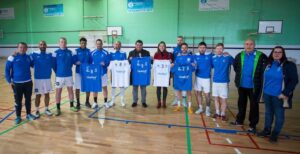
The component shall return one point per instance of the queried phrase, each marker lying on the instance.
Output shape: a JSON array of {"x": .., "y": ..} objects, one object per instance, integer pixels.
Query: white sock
[
  {"x": 37, "y": 108},
  {"x": 122, "y": 93},
  {"x": 222, "y": 113},
  {"x": 207, "y": 107},
  {"x": 178, "y": 103},
  {"x": 218, "y": 112},
  {"x": 200, "y": 107},
  {"x": 190, "y": 104},
  {"x": 113, "y": 91},
  {"x": 46, "y": 108}
]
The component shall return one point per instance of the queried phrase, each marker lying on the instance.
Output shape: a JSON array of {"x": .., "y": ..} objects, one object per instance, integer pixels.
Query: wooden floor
[{"x": 137, "y": 130}]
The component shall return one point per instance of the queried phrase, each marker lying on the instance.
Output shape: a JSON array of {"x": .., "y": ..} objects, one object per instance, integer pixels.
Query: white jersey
[
  {"x": 120, "y": 72},
  {"x": 161, "y": 72}
]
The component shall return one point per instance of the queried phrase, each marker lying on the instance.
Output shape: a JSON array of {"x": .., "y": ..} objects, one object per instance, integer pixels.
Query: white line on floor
[
  {"x": 228, "y": 140},
  {"x": 237, "y": 151},
  {"x": 217, "y": 125}
]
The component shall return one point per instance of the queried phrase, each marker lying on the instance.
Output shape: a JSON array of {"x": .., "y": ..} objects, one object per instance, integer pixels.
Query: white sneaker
[
  {"x": 184, "y": 104},
  {"x": 123, "y": 104},
  {"x": 199, "y": 111},
  {"x": 48, "y": 113},
  {"x": 94, "y": 106},
  {"x": 174, "y": 102},
  {"x": 110, "y": 104},
  {"x": 207, "y": 111}
]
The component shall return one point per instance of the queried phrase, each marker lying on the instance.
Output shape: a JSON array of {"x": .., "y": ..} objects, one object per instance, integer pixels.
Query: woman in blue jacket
[{"x": 280, "y": 80}]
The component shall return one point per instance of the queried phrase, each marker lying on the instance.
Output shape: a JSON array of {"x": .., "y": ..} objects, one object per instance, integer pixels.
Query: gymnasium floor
[{"x": 137, "y": 130}]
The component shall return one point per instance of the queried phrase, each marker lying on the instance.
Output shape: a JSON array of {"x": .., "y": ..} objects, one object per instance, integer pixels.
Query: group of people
[{"x": 257, "y": 76}]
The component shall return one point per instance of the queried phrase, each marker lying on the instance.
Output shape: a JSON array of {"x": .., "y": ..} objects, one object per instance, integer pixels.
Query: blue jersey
[
  {"x": 117, "y": 55},
  {"x": 273, "y": 79},
  {"x": 221, "y": 65},
  {"x": 82, "y": 55},
  {"x": 99, "y": 56},
  {"x": 43, "y": 64},
  {"x": 204, "y": 64},
  {"x": 176, "y": 51},
  {"x": 247, "y": 70},
  {"x": 141, "y": 71},
  {"x": 18, "y": 68},
  {"x": 183, "y": 72},
  {"x": 64, "y": 60},
  {"x": 91, "y": 77}
]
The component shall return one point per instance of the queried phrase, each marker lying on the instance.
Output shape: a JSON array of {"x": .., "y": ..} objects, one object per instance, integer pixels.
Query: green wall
[{"x": 168, "y": 19}]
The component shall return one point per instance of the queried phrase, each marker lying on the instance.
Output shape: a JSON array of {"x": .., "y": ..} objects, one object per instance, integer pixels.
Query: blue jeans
[{"x": 273, "y": 107}]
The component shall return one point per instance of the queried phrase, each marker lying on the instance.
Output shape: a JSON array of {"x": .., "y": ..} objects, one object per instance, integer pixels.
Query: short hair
[
  {"x": 180, "y": 36},
  {"x": 22, "y": 43},
  {"x": 43, "y": 42},
  {"x": 83, "y": 39},
  {"x": 139, "y": 41},
  {"x": 99, "y": 40},
  {"x": 118, "y": 42},
  {"x": 63, "y": 38},
  {"x": 220, "y": 44},
  {"x": 185, "y": 44},
  {"x": 202, "y": 43},
  {"x": 250, "y": 39}
]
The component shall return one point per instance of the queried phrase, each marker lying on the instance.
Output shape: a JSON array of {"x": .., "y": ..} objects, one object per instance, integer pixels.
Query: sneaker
[
  {"x": 252, "y": 130},
  {"x": 74, "y": 109},
  {"x": 199, "y": 111},
  {"x": 174, "y": 102},
  {"x": 106, "y": 106},
  {"x": 58, "y": 112},
  {"x": 78, "y": 106},
  {"x": 177, "y": 108},
  {"x": 95, "y": 105},
  {"x": 30, "y": 117},
  {"x": 235, "y": 123},
  {"x": 111, "y": 104},
  {"x": 134, "y": 105},
  {"x": 273, "y": 138},
  {"x": 190, "y": 110},
  {"x": 123, "y": 104},
  {"x": 48, "y": 113},
  {"x": 88, "y": 105},
  {"x": 18, "y": 120},
  {"x": 37, "y": 114},
  {"x": 144, "y": 105},
  {"x": 224, "y": 118},
  {"x": 216, "y": 116},
  {"x": 263, "y": 133},
  {"x": 184, "y": 104},
  {"x": 207, "y": 111}
]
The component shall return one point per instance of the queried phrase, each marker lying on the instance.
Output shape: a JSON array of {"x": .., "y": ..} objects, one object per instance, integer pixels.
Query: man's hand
[
  {"x": 78, "y": 63},
  {"x": 14, "y": 53},
  {"x": 281, "y": 96}
]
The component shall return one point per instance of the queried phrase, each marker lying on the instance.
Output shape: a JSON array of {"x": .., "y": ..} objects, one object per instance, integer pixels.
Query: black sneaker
[
  {"x": 252, "y": 130},
  {"x": 37, "y": 114},
  {"x": 78, "y": 106},
  {"x": 263, "y": 133},
  {"x": 144, "y": 105},
  {"x": 235, "y": 123},
  {"x": 134, "y": 104},
  {"x": 273, "y": 138},
  {"x": 88, "y": 105}
]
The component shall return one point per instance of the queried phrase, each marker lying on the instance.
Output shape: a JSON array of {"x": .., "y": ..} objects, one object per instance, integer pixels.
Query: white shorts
[
  {"x": 77, "y": 84},
  {"x": 220, "y": 90},
  {"x": 42, "y": 86},
  {"x": 202, "y": 84},
  {"x": 61, "y": 82},
  {"x": 104, "y": 80}
]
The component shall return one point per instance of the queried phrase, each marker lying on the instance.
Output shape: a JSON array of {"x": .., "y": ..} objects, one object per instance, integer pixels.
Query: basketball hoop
[{"x": 114, "y": 34}]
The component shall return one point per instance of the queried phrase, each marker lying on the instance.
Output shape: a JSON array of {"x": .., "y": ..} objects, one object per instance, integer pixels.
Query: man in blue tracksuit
[
  {"x": 63, "y": 62},
  {"x": 43, "y": 64},
  {"x": 101, "y": 57},
  {"x": 82, "y": 57},
  {"x": 18, "y": 75}
]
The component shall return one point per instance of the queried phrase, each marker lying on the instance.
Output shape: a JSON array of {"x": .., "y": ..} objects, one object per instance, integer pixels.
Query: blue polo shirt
[
  {"x": 204, "y": 64},
  {"x": 273, "y": 79},
  {"x": 221, "y": 65},
  {"x": 247, "y": 70}
]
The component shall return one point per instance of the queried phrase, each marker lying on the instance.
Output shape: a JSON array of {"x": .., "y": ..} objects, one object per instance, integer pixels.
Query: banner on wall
[
  {"x": 53, "y": 10},
  {"x": 7, "y": 13},
  {"x": 140, "y": 5},
  {"x": 213, "y": 5}
]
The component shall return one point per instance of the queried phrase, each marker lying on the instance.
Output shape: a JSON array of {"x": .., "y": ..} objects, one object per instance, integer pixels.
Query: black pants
[
  {"x": 158, "y": 93},
  {"x": 21, "y": 89},
  {"x": 244, "y": 94}
]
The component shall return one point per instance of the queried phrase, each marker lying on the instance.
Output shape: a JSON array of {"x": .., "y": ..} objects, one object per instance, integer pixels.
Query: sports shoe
[
  {"x": 88, "y": 105},
  {"x": 78, "y": 106},
  {"x": 224, "y": 118},
  {"x": 18, "y": 120},
  {"x": 199, "y": 111},
  {"x": 184, "y": 104},
  {"x": 58, "y": 112},
  {"x": 175, "y": 102},
  {"x": 190, "y": 110},
  {"x": 207, "y": 111},
  {"x": 273, "y": 138},
  {"x": 263, "y": 133},
  {"x": 144, "y": 105},
  {"x": 235, "y": 123},
  {"x": 48, "y": 113},
  {"x": 123, "y": 104},
  {"x": 30, "y": 117},
  {"x": 74, "y": 109},
  {"x": 134, "y": 104},
  {"x": 37, "y": 114},
  {"x": 177, "y": 108},
  {"x": 252, "y": 130},
  {"x": 95, "y": 105},
  {"x": 216, "y": 116}
]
